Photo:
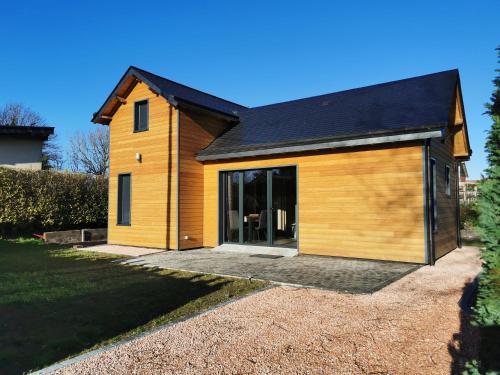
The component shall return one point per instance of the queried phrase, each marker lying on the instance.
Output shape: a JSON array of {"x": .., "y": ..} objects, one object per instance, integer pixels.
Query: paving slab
[
  {"x": 332, "y": 273},
  {"x": 130, "y": 251}
]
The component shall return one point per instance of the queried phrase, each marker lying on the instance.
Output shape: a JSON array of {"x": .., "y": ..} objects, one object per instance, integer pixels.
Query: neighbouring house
[
  {"x": 467, "y": 189},
  {"x": 366, "y": 173},
  {"x": 21, "y": 146}
]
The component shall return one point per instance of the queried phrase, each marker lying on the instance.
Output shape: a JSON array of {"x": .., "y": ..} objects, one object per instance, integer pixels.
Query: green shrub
[
  {"x": 487, "y": 312},
  {"x": 487, "y": 309},
  {"x": 469, "y": 215},
  {"x": 38, "y": 201}
]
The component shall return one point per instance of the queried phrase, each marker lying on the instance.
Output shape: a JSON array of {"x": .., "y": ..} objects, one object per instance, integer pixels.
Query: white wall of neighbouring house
[{"x": 21, "y": 153}]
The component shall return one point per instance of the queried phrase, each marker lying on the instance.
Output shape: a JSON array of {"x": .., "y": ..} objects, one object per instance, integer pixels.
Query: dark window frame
[
  {"x": 137, "y": 118},
  {"x": 447, "y": 180},
  {"x": 222, "y": 190},
  {"x": 119, "y": 206}
]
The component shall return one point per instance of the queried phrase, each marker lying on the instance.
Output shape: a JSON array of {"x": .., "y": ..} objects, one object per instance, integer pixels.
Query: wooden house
[{"x": 365, "y": 173}]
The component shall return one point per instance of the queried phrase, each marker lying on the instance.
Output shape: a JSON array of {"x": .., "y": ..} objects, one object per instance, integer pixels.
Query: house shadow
[
  {"x": 472, "y": 342},
  {"x": 99, "y": 303}
]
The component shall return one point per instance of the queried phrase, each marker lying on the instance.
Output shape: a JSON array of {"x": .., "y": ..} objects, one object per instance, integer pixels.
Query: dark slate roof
[
  {"x": 398, "y": 107},
  {"x": 37, "y": 132},
  {"x": 173, "y": 89}
]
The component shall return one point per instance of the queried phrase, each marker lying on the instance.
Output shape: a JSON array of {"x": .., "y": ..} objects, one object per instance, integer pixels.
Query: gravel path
[{"x": 412, "y": 326}]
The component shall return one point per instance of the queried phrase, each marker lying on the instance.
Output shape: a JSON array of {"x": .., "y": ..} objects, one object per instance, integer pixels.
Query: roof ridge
[
  {"x": 356, "y": 88},
  {"x": 189, "y": 87}
]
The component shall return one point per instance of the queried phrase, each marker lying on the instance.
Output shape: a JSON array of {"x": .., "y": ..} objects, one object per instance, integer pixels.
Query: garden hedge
[{"x": 39, "y": 201}]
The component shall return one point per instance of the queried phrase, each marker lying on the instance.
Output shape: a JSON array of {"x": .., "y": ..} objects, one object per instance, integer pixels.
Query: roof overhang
[
  {"x": 334, "y": 144},
  {"x": 177, "y": 102},
  {"x": 27, "y": 132},
  {"x": 119, "y": 94},
  {"x": 125, "y": 86},
  {"x": 458, "y": 126}
]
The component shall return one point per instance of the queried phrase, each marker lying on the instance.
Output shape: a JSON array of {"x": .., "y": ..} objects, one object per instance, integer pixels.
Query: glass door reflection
[
  {"x": 259, "y": 207},
  {"x": 255, "y": 207}
]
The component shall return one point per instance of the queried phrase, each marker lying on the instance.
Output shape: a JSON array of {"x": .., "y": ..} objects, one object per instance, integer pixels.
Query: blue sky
[{"x": 62, "y": 58}]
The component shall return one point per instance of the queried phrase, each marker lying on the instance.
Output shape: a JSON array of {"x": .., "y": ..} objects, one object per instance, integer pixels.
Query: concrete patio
[
  {"x": 129, "y": 251},
  {"x": 339, "y": 274}
]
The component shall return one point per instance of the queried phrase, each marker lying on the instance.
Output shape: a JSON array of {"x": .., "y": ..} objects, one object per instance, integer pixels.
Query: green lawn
[{"x": 57, "y": 302}]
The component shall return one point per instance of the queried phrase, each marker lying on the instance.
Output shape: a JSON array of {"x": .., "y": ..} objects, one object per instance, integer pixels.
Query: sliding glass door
[
  {"x": 284, "y": 207},
  {"x": 259, "y": 207},
  {"x": 255, "y": 207},
  {"x": 231, "y": 217}
]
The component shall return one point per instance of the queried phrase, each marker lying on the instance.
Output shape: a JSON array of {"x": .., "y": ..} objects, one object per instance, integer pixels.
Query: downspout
[
  {"x": 178, "y": 227},
  {"x": 429, "y": 254},
  {"x": 457, "y": 204},
  {"x": 173, "y": 102}
]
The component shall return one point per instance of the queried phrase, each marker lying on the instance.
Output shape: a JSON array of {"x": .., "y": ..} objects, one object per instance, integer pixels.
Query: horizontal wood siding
[
  {"x": 365, "y": 203},
  {"x": 445, "y": 238},
  {"x": 197, "y": 132},
  {"x": 153, "y": 182}
]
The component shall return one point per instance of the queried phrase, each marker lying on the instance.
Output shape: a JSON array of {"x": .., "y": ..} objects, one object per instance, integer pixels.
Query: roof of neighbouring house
[
  {"x": 398, "y": 107},
  {"x": 34, "y": 132}
]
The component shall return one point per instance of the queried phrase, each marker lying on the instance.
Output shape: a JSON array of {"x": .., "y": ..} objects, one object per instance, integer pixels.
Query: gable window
[
  {"x": 141, "y": 116},
  {"x": 123, "y": 214},
  {"x": 447, "y": 179}
]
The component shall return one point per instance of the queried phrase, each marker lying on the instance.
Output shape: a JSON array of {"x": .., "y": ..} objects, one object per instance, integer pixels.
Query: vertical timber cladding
[
  {"x": 445, "y": 237},
  {"x": 364, "y": 203},
  {"x": 153, "y": 193},
  {"x": 197, "y": 131}
]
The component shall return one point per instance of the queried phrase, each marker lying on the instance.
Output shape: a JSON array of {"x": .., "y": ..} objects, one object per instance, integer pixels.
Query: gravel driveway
[{"x": 414, "y": 325}]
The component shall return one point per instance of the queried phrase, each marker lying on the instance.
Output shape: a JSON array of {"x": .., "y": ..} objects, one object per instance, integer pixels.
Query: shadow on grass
[
  {"x": 55, "y": 303},
  {"x": 471, "y": 342}
]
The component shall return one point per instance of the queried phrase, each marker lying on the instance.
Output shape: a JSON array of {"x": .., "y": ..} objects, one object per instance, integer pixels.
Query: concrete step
[{"x": 250, "y": 250}]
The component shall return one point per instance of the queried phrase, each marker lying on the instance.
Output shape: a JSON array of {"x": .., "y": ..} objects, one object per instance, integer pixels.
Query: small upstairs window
[{"x": 141, "y": 116}]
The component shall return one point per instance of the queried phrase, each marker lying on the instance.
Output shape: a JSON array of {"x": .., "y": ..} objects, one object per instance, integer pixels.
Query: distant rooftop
[{"x": 34, "y": 132}]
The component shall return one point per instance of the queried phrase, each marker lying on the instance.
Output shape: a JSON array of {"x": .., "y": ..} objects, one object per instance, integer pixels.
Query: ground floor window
[
  {"x": 124, "y": 186},
  {"x": 259, "y": 207}
]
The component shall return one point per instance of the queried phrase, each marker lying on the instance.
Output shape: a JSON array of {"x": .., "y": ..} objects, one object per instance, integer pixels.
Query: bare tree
[
  {"x": 17, "y": 114},
  {"x": 51, "y": 154},
  {"x": 89, "y": 152}
]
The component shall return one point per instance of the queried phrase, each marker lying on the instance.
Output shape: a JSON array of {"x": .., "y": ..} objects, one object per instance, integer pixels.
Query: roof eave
[
  {"x": 459, "y": 86},
  {"x": 345, "y": 143},
  {"x": 34, "y": 132},
  {"x": 175, "y": 101},
  {"x": 131, "y": 71}
]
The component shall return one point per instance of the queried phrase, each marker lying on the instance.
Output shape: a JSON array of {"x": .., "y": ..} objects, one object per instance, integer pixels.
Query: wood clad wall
[
  {"x": 445, "y": 238},
  {"x": 153, "y": 182},
  {"x": 364, "y": 203},
  {"x": 457, "y": 119},
  {"x": 196, "y": 132}
]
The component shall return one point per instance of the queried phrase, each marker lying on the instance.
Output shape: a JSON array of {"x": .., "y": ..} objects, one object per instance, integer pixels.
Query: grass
[{"x": 57, "y": 302}]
